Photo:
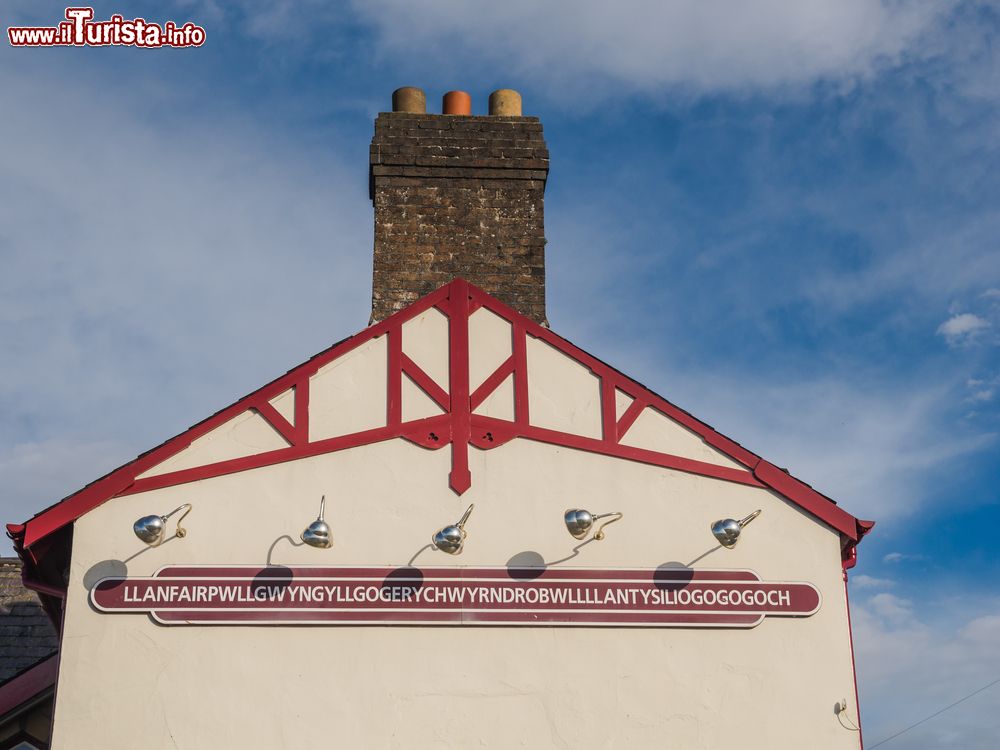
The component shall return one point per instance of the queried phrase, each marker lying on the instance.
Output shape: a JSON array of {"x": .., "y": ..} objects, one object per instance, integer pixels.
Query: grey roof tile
[{"x": 26, "y": 634}]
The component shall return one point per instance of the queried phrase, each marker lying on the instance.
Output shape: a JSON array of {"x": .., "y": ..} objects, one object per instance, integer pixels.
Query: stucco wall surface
[{"x": 126, "y": 680}]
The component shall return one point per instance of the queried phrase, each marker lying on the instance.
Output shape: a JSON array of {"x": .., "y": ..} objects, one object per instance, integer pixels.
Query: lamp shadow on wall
[
  {"x": 674, "y": 575},
  {"x": 417, "y": 554},
  {"x": 276, "y": 574},
  {"x": 270, "y": 550},
  {"x": 402, "y": 584},
  {"x": 115, "y": 568},
  {"x": 529, "y": 565},
  {"x": 106, "y": 569},
  {"x": 699, "y": 558}
]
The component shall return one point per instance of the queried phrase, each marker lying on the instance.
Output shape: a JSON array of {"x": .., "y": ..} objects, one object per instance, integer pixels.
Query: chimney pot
[
  {"x": 505, "y": 103},
  {"x": 456, "y": 103},
  {"x": 409, "y": 99}
]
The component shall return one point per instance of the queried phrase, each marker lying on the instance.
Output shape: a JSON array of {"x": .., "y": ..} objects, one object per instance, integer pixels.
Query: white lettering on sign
[{"x": 448, "y": 596}]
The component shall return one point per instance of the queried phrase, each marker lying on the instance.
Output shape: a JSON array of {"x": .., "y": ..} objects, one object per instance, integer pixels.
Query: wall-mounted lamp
[
  {"x": 152, "y": 529},
  {"x": 451, "y": 538},
  {"x": 317, "y": 534},
  {"x": 727, "y": 531},
  {"x": 579, "y": 522}
]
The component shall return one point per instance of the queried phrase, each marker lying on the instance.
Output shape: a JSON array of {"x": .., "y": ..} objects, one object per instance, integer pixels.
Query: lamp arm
[
  {"x": 599, "y": 534},
  {"x": 465, "y": 516},
  {"x": 186, "y": 507}
]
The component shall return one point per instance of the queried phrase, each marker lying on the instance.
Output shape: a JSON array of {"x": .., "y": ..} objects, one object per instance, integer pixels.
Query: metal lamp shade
[
  {"x": 728, "y": 530},
  {"x": 578, "y": 522},
  {"x": 153, "y": 529},
  {"x": 451, "y": 538},
  {"x": 317, "y": 534},
  {"x": 150, "y": 529}
]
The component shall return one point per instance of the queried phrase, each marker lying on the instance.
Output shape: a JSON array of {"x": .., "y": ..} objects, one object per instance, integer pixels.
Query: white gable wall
[{"x": 126, "y": 680}]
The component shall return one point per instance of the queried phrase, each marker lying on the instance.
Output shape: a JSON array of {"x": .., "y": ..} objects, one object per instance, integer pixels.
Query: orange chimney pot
[{"x": 456, "y": 103}]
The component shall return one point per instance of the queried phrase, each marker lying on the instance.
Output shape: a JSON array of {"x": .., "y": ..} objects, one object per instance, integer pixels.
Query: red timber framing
[{"x": 459, "y": 427}]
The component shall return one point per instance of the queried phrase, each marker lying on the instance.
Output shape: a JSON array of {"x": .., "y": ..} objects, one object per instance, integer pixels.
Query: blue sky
[{"x": 781, "y": 216}]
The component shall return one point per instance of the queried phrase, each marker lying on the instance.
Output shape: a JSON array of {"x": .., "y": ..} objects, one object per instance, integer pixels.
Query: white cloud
[
  {"x": 892, "y": 608},
  {"x": 157, "y": 264},
  {"x": 982, "y": 390},
  {"x": 863, "y": 581},
  {"x": 874, "y": 440},
  {"x": 899, "y": 557},
  {"x": 647, "y": 44},
  {"x": 877, "y": 449},
  {"x": 909, "y": 667},
  {"x": 36, "y": 475},
  {"x": 962, "y": 328},
  {"x": 896, "y": 557}
]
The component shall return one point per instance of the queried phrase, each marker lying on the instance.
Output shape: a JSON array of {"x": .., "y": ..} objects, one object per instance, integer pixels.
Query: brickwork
[
  {"x": 458, "y": 197},
  {"x": 26, "y": 634}
]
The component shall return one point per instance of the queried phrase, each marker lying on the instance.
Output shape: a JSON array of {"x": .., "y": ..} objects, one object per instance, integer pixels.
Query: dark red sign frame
[{"x": 664, "y": 597}]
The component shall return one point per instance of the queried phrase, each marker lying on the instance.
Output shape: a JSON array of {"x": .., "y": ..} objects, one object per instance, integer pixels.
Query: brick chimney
[{"x": 457, "y": 195}]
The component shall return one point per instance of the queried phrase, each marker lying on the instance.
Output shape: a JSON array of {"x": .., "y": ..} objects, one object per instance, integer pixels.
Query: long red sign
[{"x": 456, "y": 596}]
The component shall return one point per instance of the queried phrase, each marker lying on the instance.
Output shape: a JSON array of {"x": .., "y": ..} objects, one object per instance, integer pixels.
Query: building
[
  {"x": 224, "y": 624},
  {"x": 28, "y": 644}
]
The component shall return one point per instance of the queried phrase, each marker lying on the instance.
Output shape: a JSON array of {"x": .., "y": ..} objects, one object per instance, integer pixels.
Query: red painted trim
[
  {"x": 854, "y": 667},
  {"x": 731, "y": 448},
  {"x": 807, "y": 498},
  {"x": 302, "y": 411},
  {"x": 595, "y": 445},
  {"x": 609, "y": 422},
  {"x": 273, "y": 417},
  {"x": 26, "y": 685},
  {"x": 628, "y": 418},
  {"x": 460, "y": 478},
  {"x": 520, "y": 349},
  {"x": 433, "y": 432},
  {"x": 492, "y": 382},
  {"x": 395, "y": 379},
  {"x": 848, "y": 555},
  {"x": 424, "y": 381},
  {"x": 455, "y": 300},
  {"x": 281, "y": 455}
]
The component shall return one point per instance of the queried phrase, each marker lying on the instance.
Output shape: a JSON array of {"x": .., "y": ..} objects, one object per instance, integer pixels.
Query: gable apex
[{"x": 628, "y": 419}]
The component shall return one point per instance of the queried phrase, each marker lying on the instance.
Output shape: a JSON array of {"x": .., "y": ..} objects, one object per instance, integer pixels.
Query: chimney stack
[{"x": 458, "y": 195}]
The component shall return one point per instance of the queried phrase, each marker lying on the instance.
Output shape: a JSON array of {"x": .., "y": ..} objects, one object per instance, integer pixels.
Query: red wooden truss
[{"x": 458, "y": 427}]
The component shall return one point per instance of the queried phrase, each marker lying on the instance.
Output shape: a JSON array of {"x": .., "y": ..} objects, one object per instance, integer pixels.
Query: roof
[
  {"x": 28, "y": 687},
  {"x": 26, "y": 635},
  {"x": 457, "y": 428}
]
